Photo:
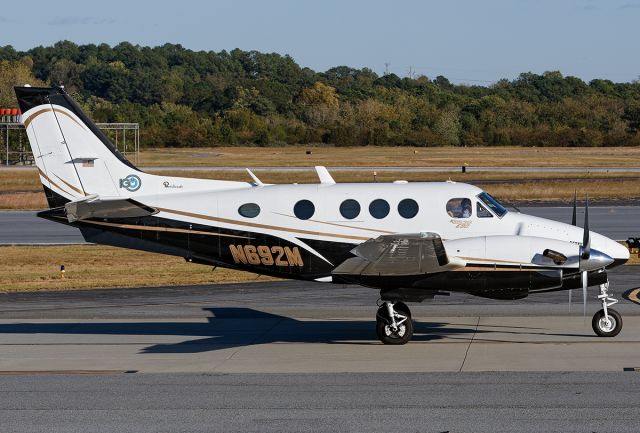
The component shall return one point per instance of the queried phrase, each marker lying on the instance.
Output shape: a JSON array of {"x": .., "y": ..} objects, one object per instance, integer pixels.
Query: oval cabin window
[
  {"x": 408, "y": 208},
  {"x": 350, "y": 209},
  {"x": 379, "y": 208},
  {"x": 249, "y": 210},
  {"x": 304, "y": 209}
]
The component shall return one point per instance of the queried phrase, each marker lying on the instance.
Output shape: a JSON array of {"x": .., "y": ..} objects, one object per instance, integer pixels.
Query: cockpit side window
[
  {"x": 459, "y": 208},
  {"x": 482, "y": 212},
  {"x": 492, "y": 204}
]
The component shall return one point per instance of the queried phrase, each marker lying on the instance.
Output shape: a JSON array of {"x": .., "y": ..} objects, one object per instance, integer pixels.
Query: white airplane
[{"x": 411, "y": 241}]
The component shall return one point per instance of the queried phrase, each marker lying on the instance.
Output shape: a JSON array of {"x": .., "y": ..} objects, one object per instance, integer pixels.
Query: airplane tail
[{"x": 74, "y": 158}]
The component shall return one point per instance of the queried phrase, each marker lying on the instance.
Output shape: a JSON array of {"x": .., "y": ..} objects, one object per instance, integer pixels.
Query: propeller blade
[
  {"x": 586, "y": 238},
  {"x": 575, "y": 206},
  {"x": 570, "y": 295},
  {"x": 585, "y": 283}
]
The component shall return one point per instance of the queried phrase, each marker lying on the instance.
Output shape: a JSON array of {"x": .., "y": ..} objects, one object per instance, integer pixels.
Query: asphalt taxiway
[
  {"x": 387, "y": 402},
  {"x": 292, "y": 356},
  {"x": 289, "y": 326},
  {"x": 25, "y": 228}
]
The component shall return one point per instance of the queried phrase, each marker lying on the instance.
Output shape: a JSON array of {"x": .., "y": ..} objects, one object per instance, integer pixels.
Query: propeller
[
  {"x": 585, "y": 283},
  {"x": 588, "y": 260},
  {"x": 585, "y": 255},
  {"x": 573, "y": 223},
  {"x": 586, "y": 239},
  {"x": 575, "y": 205},
  {"x": 585, "y": 251}
]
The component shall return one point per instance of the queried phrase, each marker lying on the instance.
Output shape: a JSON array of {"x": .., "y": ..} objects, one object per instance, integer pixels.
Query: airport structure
[{"x": 16, "y": 151}]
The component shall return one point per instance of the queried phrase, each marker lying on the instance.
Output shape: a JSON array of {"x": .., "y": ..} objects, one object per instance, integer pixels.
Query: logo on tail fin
[{"x": 131, "y": 183}]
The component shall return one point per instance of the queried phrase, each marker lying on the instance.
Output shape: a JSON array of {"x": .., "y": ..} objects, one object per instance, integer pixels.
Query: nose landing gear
[
  {"x": 393, "y": 323},
  {"x": 607, "y": 322}
]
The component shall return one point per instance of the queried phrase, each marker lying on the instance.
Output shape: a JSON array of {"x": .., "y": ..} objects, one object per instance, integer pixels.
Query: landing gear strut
[
  {"x": 606, "y": 322},
  {"x": 393, "y": 323}
]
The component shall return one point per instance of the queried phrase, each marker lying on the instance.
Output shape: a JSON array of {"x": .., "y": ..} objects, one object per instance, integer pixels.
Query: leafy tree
[
  {"x": 14, "y": 73},
  {"x": 632, "y": 116},
  {"x": 447, "y": 128},
  {"x": 190, "y": 97}
]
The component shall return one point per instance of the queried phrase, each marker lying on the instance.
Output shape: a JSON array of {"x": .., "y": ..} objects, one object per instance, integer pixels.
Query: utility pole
[
  {"x": 411, "y": 72},
  {"x": 386, "y": 68}
]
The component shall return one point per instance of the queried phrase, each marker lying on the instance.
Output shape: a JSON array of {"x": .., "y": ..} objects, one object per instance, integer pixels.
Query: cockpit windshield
[{"x": 492, "y": 204}]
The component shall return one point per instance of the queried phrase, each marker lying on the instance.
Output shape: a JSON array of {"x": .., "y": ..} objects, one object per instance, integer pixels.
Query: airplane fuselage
[{"x": 305, "y": 231}]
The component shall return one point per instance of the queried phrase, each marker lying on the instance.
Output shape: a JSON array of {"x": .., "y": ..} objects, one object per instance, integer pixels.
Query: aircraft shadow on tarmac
[{"x": 238, "y": 327}]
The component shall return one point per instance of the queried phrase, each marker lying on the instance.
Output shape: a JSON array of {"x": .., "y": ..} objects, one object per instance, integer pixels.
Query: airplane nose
[{"x": 619, "y": 252}]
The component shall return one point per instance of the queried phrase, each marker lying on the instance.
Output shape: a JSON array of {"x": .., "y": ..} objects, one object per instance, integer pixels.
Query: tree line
[{"x": 185, "y": 98}]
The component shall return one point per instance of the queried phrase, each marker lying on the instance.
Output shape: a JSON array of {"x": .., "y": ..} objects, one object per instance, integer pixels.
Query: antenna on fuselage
[
  {"x": 324, "y": 175},
  {"x": 257, "y": 181}
]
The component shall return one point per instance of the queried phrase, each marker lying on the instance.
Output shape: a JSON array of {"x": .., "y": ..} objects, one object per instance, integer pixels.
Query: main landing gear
[
  {"x": 606, "y": 322},
  {"x": 393, "y": 323}
]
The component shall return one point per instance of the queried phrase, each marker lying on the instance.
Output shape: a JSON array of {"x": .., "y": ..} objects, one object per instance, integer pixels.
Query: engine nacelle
[{"x": 518, "y": 252}]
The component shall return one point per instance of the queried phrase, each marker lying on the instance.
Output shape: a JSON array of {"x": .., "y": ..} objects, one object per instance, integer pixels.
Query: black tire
[
  {"x": 600, "y": 327},
  {"x": 388, "y": 336}
]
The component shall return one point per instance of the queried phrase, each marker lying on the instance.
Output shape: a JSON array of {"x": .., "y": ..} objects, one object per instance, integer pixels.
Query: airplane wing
[
  {"x": 399, "y": 255},
  {"x": 111, "y": 207}
]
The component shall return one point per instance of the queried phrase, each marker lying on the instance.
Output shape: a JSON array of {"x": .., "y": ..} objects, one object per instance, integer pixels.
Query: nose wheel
[
  {"x": 607, "y": 322},
  {"x": 393, "y": 323}
]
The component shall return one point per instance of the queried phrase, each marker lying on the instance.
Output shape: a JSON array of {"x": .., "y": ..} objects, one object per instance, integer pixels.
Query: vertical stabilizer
[{"x": 74, "y": 158}]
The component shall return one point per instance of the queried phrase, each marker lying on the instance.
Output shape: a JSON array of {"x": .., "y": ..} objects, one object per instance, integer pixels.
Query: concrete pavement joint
[
  {"x": 469, "y": 345},
  {"x": 251, "y": 343}
]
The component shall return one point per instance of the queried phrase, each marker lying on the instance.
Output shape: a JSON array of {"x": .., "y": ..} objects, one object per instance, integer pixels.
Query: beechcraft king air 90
[{"x": 410, "y": 241}]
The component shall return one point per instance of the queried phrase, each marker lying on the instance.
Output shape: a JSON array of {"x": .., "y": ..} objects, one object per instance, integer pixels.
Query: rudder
[{"x": 74, "y": 158}]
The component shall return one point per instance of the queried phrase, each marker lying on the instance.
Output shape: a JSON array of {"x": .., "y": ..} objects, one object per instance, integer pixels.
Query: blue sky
[{"x": 469, "y": 41}]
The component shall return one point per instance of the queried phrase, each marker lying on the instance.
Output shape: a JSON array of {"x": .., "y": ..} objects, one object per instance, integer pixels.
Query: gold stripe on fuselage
[
  {"x": 69, "y": 185},
  {"x": 53, "y": 183},
  {"x": 161, "y": 229},
  {"x": 498, "y": 268},
  {"x": 339, "y": 225},
  {"x": 261, "y": 226},
  {"x": 491, "y": 261}
]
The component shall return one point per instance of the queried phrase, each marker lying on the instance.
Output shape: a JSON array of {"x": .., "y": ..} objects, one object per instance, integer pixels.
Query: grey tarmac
[
  {"x": 291, "y": 356},
  {"x": 25, "y": 228},
  {"x": 386, "y": 402},
  {"x": 291, "y": 326}
]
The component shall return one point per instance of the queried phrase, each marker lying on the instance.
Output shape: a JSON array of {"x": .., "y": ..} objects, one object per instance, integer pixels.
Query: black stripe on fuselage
[
  {"x": 251, "y": 251},
  {"x": 213, "y": 245},
  {"x": 53, "y": 198}
]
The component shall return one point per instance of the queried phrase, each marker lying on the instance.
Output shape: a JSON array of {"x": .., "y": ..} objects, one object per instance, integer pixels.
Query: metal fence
[{"x": 13, "y": 139}]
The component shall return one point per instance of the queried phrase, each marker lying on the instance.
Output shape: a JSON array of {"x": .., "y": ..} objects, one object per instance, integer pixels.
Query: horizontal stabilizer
[
  {"x": 399, "y": 255},
  {"x": 96, "y": 207}
]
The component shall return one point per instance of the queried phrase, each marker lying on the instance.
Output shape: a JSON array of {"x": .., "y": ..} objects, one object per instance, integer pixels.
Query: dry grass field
[
  {"x": 393, "y": 156},
  {"x": 31, "y": 268},
  {"x": 25, "y": 268},
  {"x": 20, "y": 189}
]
